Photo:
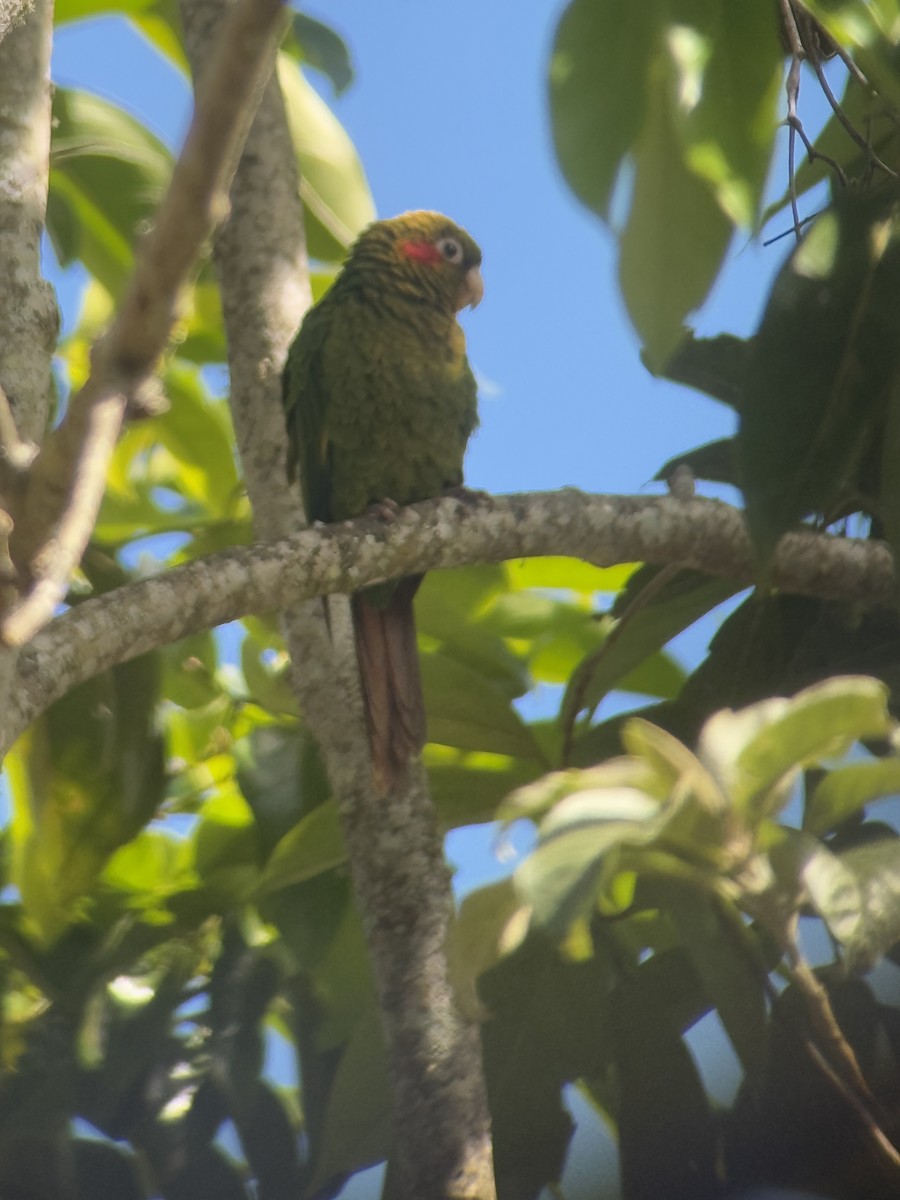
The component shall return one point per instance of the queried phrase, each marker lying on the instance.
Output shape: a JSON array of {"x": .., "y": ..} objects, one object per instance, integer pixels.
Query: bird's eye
[{"x": 450, "y": 248}]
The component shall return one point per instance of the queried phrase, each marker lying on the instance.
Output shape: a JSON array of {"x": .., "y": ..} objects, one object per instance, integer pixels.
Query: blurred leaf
[
  {"x": 875, "y": 867},
  {"x": 467, "y": 788},
  {"x": 269, "y": 1142},
  {"x": 470, "y": 712},
  {"x": 667, "y": 1134},
  {"x": 590, "y": 72},
  {"x": 728, "y": 964},
  {"x": 333, "y": 186},
  {"x": 149, "y": 869},
  {"x": 845, "y": 791},
  {"x": 189, "y": 671},
  {"x": 208, "y": 1175},
  {"x": 755, "y": 753},
  {"x": 730, "y": 80},
  {"x": 715, "y": 366},
  {"x": 357, "y": 1131},
  {"x": 821, "y": 367},
  {"x": 108, "y": 174},
  {"x": 548, "y": 1025},
  {"x": 682, "y": 600},
  {"x": 269, "y": 762},
  {"x": 103, "y": 1172},
  {"x": 313, "y": 846},
  {"x": 490, "y": 924},
  {"x": 569, "y": 574},
  {"x": 671, "y": 250},
  {"x": 85, "y": 779},
  {"x": 323, "y": 49},
  {"x": 157, "y": 20},
  {"x": 560, "y": 879}
]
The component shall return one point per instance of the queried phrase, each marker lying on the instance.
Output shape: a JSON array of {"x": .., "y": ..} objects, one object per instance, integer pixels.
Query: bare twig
[
  {"x": 834, "y": 1055},
  {"x": 66, "y": 486},
  {"x": 17, "y": 453}
]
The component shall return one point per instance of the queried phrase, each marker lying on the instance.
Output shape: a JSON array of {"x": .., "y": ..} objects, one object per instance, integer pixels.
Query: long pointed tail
[{"x": 391, "y": 682}]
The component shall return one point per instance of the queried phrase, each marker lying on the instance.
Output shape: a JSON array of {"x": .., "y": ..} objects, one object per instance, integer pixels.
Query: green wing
[{"x": 305, "y": 398}]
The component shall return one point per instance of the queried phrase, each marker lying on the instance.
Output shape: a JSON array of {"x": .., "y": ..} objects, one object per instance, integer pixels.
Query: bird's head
[{"x": 427, "y": 256}]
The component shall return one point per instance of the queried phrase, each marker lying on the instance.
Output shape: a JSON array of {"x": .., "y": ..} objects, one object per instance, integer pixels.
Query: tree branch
[
  {"x": 66, "y": 483},
  {"x": 29, "y": 319},
  {"x": 707, "y": 535}
]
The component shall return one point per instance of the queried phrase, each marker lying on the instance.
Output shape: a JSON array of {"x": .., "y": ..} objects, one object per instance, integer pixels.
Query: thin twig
[
  {"x": 848, "y": 126},
  {"x": 68, "y": 477},
  {"x": 17, "y": 453}
]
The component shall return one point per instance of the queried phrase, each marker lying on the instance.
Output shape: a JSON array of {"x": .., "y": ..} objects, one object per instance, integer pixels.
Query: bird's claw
[{"x": 385, "y": 509}]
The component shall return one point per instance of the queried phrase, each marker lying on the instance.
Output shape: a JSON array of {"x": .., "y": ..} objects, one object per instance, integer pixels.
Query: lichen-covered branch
[
  {"x": 12, "y": 12},
  {"x": 29, "y": 319},
  {"x": 66, "y": 483},
  {"x": 705, "y": 534}
]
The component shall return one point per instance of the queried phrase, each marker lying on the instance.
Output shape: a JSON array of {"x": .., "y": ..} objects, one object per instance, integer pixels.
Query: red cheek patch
[{"x": 422, "y": 251}]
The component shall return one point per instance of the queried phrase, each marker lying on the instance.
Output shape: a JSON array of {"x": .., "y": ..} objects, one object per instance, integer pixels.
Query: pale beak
[{"x": 472, "y": 290}]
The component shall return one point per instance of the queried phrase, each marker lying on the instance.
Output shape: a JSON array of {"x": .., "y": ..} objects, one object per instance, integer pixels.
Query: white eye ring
[{"x": 450, "y": 248}]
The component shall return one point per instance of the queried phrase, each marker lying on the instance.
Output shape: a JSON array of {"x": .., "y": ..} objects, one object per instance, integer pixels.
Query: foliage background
[{"x": 213, "y": 754}]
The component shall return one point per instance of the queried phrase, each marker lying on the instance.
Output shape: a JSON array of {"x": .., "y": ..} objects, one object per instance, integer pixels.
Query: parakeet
[{"x": 380, "y": 402}]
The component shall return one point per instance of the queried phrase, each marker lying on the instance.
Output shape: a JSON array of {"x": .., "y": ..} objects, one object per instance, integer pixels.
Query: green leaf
[
  {"x": 333, "y": 186},
  {"x": 84, "y": 780},
  {"x": 491, "y": 923},
  {"x": 313, "y": 846},
  {"x": 682, "y": 600},
  {"x": 542, "y": 1033},
  {"x": 189, "y": 671},
  {"x": 471, "y": 712},
  {"x": 570, "y": 574},
  {"x": 467, "y": 788},
  {"x": 875, "y": 866},
  {"x": 845, "y": 791},
  {"x": 357, "y": 1130},
  {"x": 671, "y": 249},
  {"x": 729, "y": 83},
  {"x": 323, "y": 49},
  {"x": 156, "y": 19},
  {"x": 757, "y": 752},
  {"x": 667, "y": 1133},
  {"x": 107, "y": 176},
  {"x": 715, "y": 366},
  {"x": 560, "y": 879},
  {"x": 821, "y": 367},
  {"x": 590, "y": 73}
]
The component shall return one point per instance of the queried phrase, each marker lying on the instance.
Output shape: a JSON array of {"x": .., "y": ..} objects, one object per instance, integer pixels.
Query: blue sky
[{"x": 452, "y": 114}]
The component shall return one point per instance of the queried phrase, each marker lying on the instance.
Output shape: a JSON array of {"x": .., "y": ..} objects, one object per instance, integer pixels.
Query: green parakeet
[{"x": 380, "y": 402}]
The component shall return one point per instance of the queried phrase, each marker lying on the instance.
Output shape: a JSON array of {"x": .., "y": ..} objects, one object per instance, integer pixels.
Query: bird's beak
[{"x": 472, "y": 289}]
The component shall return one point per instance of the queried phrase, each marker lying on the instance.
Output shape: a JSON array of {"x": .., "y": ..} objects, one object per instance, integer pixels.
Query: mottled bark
[
  {"x": 29, "y": 319},
  {"x": 704, "y": 534}
]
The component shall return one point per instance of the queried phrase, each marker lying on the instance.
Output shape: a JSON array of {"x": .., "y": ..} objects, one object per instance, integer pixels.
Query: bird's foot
[
  {"x": 469, "y": 496},
  {"x": 386, "y": 510}
]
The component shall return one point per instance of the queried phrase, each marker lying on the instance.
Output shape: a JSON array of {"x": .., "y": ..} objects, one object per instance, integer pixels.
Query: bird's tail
[{"x": 391, "y": 681}]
